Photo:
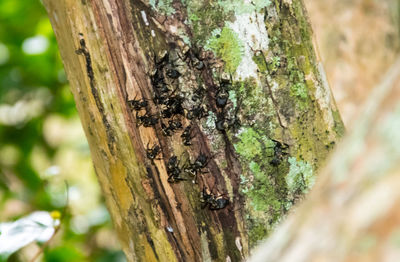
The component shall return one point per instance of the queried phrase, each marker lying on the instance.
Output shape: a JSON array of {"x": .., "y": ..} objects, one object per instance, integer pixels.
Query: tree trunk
[
  {"x": 352, "y": 213},
  {"x": 243, "y": 76}
]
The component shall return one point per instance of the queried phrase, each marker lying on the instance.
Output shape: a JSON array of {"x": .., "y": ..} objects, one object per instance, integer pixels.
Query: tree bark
[
  {"x": 352, "y": 213},
  {"x": 262, "y": 147}
]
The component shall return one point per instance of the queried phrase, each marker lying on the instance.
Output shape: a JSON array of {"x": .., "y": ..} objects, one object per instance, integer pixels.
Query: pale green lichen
[
  {"x": 233, "y": 98},
  {"x": 210, "y": 121},
  {"x": 300, "y": 176},
  {"x": 274, "y": 64},
  {"x": 163, "y": 6},
  {"x": 212, "y": 18},
  {"x": 255, "y": 168},
  {"x": 249, "y": 146},
  {"x": 243, "y": 180},
  {"x": 299, "y": 90},
  {"x": 243, "y": 7},
  {"x": 262, "y": 193},
  {"x": 228, "y": 47}
]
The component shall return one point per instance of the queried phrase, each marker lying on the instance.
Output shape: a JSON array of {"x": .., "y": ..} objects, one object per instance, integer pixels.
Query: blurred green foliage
[{"x": 41, "y": 141}]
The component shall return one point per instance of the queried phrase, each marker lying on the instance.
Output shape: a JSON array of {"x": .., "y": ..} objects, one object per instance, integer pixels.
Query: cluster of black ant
[
  {"x": 175, "y": 172},
  {"x": 172, "y": 111},
  {"x": 171, "y": 103}
]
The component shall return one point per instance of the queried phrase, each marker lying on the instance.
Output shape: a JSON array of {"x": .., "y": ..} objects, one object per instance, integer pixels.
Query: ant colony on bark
[{"x": 179, "y": 109}]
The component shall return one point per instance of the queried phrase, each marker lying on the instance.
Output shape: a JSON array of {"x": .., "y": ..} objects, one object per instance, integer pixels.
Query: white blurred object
[
  {"x": 38, "y": 226},
  {"x": 30, "y": 106},
  {"x": 35, "y": 45},
  {"x": 52, "y": 171}
]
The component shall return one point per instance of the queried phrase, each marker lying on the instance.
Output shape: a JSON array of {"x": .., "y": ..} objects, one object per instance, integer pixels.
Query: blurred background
[
  {"x": 42, "y": 144},
  {"x": 358, "y": 41}
]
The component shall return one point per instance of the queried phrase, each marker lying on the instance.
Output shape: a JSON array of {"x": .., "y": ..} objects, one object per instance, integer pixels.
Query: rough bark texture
[
  {"x": 352, "y": 213},
  {"x": 263, "y": 146}
]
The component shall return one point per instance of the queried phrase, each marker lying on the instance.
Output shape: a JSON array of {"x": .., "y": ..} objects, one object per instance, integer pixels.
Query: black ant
[
  {"x": 198, "y": 94},
  {"x": 200, "y": 162},
  {"x": 147, "y": 120},
  {"x": 166, "y": 130},
  {"x": 194, "y": 59},
  {"x": 162, "y": 88},
  {"x": 226, "y": 81},
  {"x": 166, "y": 113},
  {"x": 196, "y": 167},
  {"x": 160, "y": 98},
  {"x": 186, "y": 136},
  {"x": 279, "y": 152},
  {"x": 197, "y": 112},
  {"x": 157, "y": 77},
  {"x": 173, "y": 107},
  {"x": 223, "y": 123},
  {"x": 163, "y": 61},
  {"x": 197, "y": 58},
  {"x": 173, "y": 73},
  {"x": 221, "y": 97},
  {"x": 197, "y": 63},
  {"x": 173, "y": 125},
  {"x": 214, "y": 202},
  {"x": 152, "y": 152},
  {"x": 138, "y": 105},
  {"x": 173, "y": 170}
]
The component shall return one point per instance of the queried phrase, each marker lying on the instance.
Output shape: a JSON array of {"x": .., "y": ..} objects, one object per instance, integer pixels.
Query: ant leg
[
  {"x": 220, "y": 195},
  {"x": 194, "y": 181},
  {"x": 180, "y": 179}
]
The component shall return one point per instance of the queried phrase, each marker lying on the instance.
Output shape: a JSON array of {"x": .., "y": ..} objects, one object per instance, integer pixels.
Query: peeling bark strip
[{"x": 206, "y": 120}]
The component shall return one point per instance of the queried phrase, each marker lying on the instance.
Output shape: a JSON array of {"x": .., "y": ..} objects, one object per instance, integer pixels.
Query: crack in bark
[{"x": 83, "y": 50}]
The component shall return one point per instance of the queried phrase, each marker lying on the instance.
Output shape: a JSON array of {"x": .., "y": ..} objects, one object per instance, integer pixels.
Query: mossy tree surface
[
  {"x": 352, "y": 213},
  {"x": 278, "y": 126}
]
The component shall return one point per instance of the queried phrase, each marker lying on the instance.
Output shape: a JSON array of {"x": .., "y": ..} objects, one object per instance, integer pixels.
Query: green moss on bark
[{"x": 226, "y": 45}]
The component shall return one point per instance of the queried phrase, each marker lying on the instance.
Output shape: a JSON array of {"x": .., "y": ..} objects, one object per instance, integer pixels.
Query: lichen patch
[
  {"x": 251, "y": 30},
  {"x": 300, "y": 176}
]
